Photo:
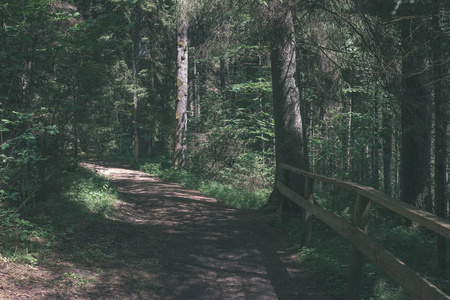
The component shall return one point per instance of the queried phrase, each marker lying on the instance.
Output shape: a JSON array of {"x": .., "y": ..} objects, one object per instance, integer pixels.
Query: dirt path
[{"x": 171, "y": 243}]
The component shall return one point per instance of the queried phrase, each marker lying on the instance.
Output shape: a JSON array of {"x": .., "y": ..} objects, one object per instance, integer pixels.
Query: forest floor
[{"x": 165, "y": 242}]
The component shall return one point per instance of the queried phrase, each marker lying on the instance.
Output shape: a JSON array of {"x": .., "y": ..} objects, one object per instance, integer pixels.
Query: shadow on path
[{"x": 172, "y": 243}]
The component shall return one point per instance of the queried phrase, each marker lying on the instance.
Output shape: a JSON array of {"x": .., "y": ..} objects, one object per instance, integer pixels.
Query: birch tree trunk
[{"x": 179, "y": 150}]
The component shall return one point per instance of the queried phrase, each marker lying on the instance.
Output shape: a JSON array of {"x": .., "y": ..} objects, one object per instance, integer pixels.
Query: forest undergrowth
[
  {"x": 225, "y": 191},
  {"x": 29, "y": 236}
]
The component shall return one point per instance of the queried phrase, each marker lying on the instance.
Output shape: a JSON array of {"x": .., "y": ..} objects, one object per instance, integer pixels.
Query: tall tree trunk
[
  {"x": 440, "y": 106},
  {"x": 387, "y": 151},
  {"x": 415, "y": 111},
  {"x": 349, "y": 137},
  {"x": 289, "y": 143},
  {"x": 137, "y": 55},
  {"x": 223, "y": 78},
  {"x": 375, "y": 146},
  {"x": 179, "y": 151},
  {"x": 196, "y": 91}
]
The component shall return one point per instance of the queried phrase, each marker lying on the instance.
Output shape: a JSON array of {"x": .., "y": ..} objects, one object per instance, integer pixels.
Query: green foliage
[
  {"x": 229, "y": 194},
  {"x": 239, "y": 153},
  {"x": 346, "y": 142},
  {"x": 20, "y": 155},
  {"x": 250, "y": 171},
  {"x": 97, "y": 198},
  {"x": 16, "y": 236},
  {"x": 85, "y": 198},
  {"x": 249, "y": 88},
  {"x": 225, "y": 158},
  {"x": 327, "y": 258},
  {"x": 235, "y": 197},
  {"x": 385, "y": 290},
  {"x": 399, "y": 238},
  {"x": 329, "y": 255}
]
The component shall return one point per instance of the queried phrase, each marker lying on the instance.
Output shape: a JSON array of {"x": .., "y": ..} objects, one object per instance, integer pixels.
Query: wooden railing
[{"x": 362, "y": 245}]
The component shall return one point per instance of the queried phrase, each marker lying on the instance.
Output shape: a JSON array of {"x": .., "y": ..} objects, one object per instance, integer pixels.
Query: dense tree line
[{"x": 352, "y": 89}]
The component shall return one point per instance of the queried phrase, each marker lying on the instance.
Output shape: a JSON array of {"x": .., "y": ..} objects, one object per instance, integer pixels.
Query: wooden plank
[
  {"x": 408, "y": 279},
  {"x": 439, "y": 225}
]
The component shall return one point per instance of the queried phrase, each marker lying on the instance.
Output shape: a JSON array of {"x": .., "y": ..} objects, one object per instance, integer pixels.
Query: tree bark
[
  {"x": 415, "y": 111},
  {"x": 180, "y": 148},
  {"x": 440, "y": 106},
  {"x": 137, "y": 54},
  {"x": 223, "y": 78},
  {"x": 375, "y": 147},
  {"x": 289, "y": 142},
  {"x": 387, "y": 151},
  {"x": 196, "y": 91}
]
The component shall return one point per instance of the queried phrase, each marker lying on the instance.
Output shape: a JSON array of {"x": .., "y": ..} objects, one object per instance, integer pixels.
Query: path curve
[
  {"x": 205, "y": 249},
  {"x": 167, "y": 242}
]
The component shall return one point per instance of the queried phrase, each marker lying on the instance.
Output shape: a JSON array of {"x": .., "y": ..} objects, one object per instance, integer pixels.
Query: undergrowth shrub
[
  {"x": 93, "y": 192},
  {"x": 230, "y": 157},
  {"x": 329, "y": 255},
  {"x": 17, "y": 237},
  {"x": 84, "y": 198},
  {"x": 227, "y": 193},
  {"x": 24, "y": 160}
]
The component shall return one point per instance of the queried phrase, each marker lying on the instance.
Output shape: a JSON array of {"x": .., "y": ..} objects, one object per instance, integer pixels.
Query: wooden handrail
[
  {"x": 415, "y": 285},
  {"x": 439, "y": 225}
]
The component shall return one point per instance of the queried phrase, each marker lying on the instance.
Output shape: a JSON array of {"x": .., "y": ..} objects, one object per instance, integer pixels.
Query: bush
[
  {"x": 227, "y": 193},
  {"x": 85, "y": 198}
]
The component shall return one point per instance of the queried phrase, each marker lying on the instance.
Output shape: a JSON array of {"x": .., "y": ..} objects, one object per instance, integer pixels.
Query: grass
[
  {"x": 84, "y": 198},
  {"x": 329, "y": 256},
  {"x": 90, "y": 193},
  {"x": 226, "y": 193}
]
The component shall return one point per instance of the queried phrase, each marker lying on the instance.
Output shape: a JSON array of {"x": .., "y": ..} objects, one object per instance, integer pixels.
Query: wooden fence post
[
  {"x": 356, "y": 272},
  {"x": 307, "y": 216}
]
